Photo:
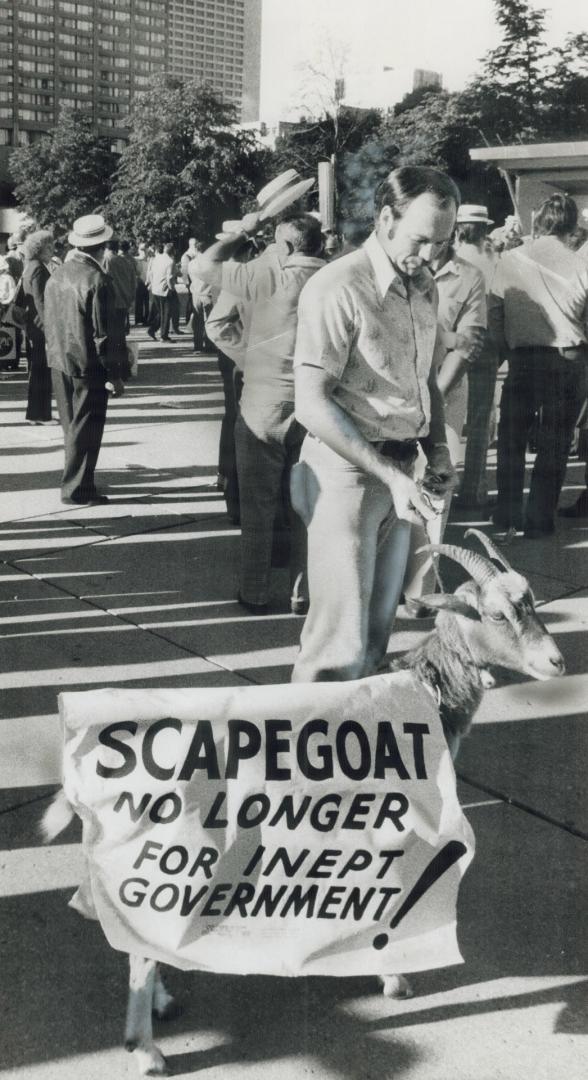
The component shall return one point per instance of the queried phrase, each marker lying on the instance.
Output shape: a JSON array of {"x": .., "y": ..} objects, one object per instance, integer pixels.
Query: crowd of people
[{"x": 350, "y": 378}]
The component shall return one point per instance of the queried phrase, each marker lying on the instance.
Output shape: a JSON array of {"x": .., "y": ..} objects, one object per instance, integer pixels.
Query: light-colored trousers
[
  {"x": 420, "y": 574},
  {"x": 357, "y": 551}
]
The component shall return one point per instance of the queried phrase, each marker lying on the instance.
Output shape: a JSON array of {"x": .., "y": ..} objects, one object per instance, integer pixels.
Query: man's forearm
[
  {"x": 436, "y": 436},
  {"x": 323, "y": 417},
  {"x": 454, "y": 366}
]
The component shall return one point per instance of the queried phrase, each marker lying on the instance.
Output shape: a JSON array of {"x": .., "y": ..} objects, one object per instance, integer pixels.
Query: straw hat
[
  {"x": 473, "y": 214},
  {"x": 89, "y": 231},
  {"x": 281, "y": 192}
]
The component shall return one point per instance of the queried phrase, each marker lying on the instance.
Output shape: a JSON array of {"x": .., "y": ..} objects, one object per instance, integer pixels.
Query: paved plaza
[{"x": 141, "y": 593}]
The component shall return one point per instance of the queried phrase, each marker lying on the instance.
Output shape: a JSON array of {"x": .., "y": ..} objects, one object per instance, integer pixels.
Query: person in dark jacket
[
  {"x": 86, "y": 353},
  {"x": 38, "y": 249}
]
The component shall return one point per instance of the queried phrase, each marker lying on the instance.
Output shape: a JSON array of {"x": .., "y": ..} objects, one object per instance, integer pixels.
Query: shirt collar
[
  {"x": 450, "y": 267},
  {"x": 77, "y": 254},
  {"x": 384, "y": 271},
  {"x": 297, "y": 259}
]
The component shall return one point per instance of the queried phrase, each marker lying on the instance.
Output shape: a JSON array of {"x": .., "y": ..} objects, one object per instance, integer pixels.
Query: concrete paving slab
[
  {"x": 514, "y": 1009},
  {"x": 517, "y": 1006},
  {"x": 562, "y": 556},
  {"x": 527, "y": 744}
]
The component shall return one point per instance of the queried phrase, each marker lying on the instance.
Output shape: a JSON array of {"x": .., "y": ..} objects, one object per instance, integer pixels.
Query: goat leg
[
  {"x": 165, "y": 1006},
  {"x": 139, "y": 1025},
  {"x": 395, "y": 986}
]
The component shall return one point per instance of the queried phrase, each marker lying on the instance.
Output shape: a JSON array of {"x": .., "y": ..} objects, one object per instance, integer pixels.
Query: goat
[{"x": 489, "y": 620}]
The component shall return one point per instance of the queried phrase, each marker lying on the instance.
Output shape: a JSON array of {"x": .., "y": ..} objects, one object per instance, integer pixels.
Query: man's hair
[
  {"x": 93, "y": 250},
  {"x": 471, "y": 232},
  {"x": 125, "y": 247},
  {"x": 35, "y": 242},
  {"x": 557, "y": 216},
  {"x": 112, "y": 245},
  {"x": 168, "y": 249},
  {"x": 303, "y": 231},
  {"x": 403, "y": 185}
]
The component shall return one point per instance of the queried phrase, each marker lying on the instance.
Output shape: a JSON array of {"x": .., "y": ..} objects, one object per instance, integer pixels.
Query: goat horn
[
  {"x": 491, "y": 549},
  {"x": 481, "y": 570}
]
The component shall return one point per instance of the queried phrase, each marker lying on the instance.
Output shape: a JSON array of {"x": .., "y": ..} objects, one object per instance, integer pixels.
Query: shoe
[
  {"x": 169, "y": 339},
  {"x": 152, "y": 335},
  {"x": 182, "y": 332},
  {"x": 93, "y": 500},
  {"x": 298, "y": 606},
  {"x": 413, "y": 609},
  {"x": 253, "y": 609},
  {"x": 577, "y": 509}
]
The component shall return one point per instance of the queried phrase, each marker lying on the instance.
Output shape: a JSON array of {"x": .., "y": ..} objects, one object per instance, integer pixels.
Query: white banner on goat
[{"x": 284, "y": 830}]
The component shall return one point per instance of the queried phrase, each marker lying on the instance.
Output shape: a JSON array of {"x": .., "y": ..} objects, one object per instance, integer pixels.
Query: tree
[
  {"x": 64, "y": 175},
  {"x": 329, "y": 129},
  {"x": 567, "y": 90},
  {"x": 507, "y": 101},
  {"x": 186, "y": 166}
]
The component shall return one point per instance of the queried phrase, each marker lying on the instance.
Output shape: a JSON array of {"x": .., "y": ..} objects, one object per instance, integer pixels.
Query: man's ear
[{"x": 446, "y": 602}]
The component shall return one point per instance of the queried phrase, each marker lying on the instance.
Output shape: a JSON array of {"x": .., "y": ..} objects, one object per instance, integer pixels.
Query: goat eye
[{"x": 497, "y": 616}]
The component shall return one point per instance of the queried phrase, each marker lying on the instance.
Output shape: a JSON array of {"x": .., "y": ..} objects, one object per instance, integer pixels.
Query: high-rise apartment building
[
  {"x": 96, "y": 54},
  {"x": 219, "y": 41},
  {"x": 92, "y": 55}
]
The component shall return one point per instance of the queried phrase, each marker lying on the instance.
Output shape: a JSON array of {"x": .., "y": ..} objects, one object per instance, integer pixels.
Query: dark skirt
[{"x": 39, "y": 395}]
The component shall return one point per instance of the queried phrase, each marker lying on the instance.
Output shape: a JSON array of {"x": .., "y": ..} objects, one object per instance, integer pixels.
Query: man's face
[{"x": 419, "y": 236}]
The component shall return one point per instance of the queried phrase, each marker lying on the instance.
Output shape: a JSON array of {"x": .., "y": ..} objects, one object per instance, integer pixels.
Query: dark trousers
[
  {"x": 141, "y": 303},
  {"x": 227, "y": 461},
  {"x": 160, "y": 315},
  {"x": 39, "y": 394},
  {"x": 174, "y": 311},
  {"x": 539, "y": 380},
  {"x": 82, "y": 405},
  {"x": 264, "y": 461},
  {"x": 199, "y": 314}
]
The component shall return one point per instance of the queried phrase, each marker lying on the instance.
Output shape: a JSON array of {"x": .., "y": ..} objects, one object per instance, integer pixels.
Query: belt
[
  {"x": 398, "y": 449},
  {"x": 570, "y": 352}
]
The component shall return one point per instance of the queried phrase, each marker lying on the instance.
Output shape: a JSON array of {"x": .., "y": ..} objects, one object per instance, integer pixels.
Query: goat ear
[{"x": 450, "y": 602}]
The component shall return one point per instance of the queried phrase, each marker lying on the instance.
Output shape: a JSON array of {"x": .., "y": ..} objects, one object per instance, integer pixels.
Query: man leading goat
[{"x": 367, "y": 393}]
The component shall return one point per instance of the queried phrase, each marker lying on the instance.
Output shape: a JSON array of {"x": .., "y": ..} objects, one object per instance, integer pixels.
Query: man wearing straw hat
[{"x": 87, "y": 357}]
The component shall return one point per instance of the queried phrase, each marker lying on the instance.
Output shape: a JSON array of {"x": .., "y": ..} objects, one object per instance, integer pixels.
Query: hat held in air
[{"x": 89, "y": 231}]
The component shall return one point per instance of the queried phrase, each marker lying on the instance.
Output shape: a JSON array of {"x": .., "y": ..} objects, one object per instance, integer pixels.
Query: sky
[{"x": 449, "y": 36}]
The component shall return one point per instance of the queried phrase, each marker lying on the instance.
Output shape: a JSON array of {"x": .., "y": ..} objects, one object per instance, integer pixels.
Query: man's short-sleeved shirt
[
  {"x": 374, "y": 332},
  {"x": 539, "y": 295},
  {"x": 270, "y": 289},
  {"x": 462, "y": 306}
]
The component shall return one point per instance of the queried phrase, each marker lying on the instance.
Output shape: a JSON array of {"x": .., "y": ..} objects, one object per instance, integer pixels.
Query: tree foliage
[
  {"x": 186, "y": 165},
  {"x": 64, "y": 175},
  {"x": 525, "y": 91}
]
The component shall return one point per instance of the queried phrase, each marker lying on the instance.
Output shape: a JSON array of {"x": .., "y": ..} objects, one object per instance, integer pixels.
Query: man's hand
[
  {"x": 470, "y": 342},
  {"x": 250, "y": 223},
  {"x": 440, "y": 475},
  {"x": 115, "y": 387},
  {"x": 409, "y": 503}
]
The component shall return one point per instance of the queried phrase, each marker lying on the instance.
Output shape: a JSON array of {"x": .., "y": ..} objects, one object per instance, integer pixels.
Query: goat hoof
[
  {"x": 396, "y": 986},
  {"x": 160, "y": 1068},
  {"x": 170, "y": 1011}
]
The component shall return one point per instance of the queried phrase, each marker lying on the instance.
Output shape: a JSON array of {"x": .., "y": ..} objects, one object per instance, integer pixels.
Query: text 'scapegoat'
[{"x": 489, "y": 621}]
